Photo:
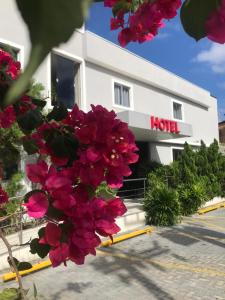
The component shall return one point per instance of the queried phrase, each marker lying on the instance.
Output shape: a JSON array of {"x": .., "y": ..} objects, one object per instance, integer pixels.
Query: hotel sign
[{"x": 164, "y": 125}]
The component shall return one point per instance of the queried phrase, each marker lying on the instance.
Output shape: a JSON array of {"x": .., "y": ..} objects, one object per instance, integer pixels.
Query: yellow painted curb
[
  {"x": 126, "y": 236},
  {"x": 37, "y": 267},
  {"x": 211, "y": 208},
  {"x": 47, "y": 263}
]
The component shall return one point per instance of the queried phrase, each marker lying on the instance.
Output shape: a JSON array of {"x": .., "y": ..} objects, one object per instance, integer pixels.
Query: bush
[
  {"x": 192, "y": 197},
  {"x": 161, "y": 203}
]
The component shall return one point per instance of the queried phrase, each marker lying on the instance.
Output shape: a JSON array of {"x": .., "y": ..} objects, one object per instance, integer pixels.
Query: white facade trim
[
  {"x": 182, "y": 110},
  {"x": 131, "y": 96},
  {"x": 19, "y": 47}
]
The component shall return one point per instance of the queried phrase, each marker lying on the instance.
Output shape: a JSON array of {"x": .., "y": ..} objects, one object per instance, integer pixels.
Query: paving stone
[{"x": 184, "y": 262}]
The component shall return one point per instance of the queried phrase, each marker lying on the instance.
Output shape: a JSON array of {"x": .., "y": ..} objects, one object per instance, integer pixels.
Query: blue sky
[{"x": 202, "y": 63}]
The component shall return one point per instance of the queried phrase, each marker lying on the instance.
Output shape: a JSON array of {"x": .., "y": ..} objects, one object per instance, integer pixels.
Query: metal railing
[
  {"x": 19, "y": 221},
  {"x": 133, "y": 188}
]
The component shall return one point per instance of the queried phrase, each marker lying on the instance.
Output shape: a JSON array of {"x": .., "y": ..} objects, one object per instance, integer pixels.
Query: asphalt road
[{"x": 184, "y": 262}]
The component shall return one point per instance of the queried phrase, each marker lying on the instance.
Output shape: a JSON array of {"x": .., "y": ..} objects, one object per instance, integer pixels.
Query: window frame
[
  {"x": 175, "y": 148},
  {"x": 82, "y": 101},
  {"x": 16, "y": 46},
  {"x": 182, "y": 110},
  {"x": 126, "y": 84}
]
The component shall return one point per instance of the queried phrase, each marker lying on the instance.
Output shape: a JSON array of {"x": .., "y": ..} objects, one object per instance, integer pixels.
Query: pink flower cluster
[
  {"x": 106, "y": 148},
  {"x": 215, "y": 25},
  {"x": 10, "y": 72},
  {"x": 9, "y": 65},
  {"x": 3, "y": 196},
  {"x": 143, "y": 23}
]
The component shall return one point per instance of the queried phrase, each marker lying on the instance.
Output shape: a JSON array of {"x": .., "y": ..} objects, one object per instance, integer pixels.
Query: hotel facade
[{"x": 162, "y": 109}]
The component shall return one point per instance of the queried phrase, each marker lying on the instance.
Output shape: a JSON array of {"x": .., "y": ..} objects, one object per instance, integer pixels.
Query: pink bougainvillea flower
[
  {"x": 62, "y": 200},
  {"x": 3, "y": 196},
  {"x": 52, "y": 235},
  {"x": 106, "y": 228},
  {"x": 143, "y": 23},
  {"x": 37, "y": 205},
  {"x": 57, "y": 182},
  {"x": 7, "y": 117},
  {"x": 116, "y": 208},
  {"x": 38, "y": 172},
  {"x": 215, "y": 25},
  {"x": 59, "y": 254}
]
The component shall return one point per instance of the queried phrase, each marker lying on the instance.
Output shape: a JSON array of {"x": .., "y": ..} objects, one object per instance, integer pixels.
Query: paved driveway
[{"x": 184, "y": 262}]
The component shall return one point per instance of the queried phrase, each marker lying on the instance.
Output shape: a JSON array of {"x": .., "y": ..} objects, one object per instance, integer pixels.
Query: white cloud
[{"x": 214, "y": 57}]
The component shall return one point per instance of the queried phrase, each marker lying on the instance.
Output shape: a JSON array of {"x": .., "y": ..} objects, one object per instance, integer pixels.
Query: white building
[{"x": 162, "y": 109}]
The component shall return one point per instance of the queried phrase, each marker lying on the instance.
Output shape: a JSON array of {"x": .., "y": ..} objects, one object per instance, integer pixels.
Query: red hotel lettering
[{"x": 164, "y": 125}]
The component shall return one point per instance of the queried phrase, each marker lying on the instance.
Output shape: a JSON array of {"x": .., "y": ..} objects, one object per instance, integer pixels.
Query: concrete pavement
[{"x": 184, "y": 262}]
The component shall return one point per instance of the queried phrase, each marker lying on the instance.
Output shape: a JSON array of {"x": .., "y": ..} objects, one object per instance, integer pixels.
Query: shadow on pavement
[
  {"x": 189, "y": 234},
  {"x": 130, "y": 271},
  {"x": 77, "y": 287}
]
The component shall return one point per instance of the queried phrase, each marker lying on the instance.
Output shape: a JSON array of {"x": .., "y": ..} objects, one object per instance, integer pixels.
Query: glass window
[
  {"x": 122, "y": 95},
  {"x": 176, "y": 154},
  {"x": 177, "y": 111},
  {"x": 65, "y": 86}
]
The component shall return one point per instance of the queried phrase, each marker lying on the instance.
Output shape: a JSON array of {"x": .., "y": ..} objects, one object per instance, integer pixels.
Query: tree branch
[{"x": 21, "y": 289}]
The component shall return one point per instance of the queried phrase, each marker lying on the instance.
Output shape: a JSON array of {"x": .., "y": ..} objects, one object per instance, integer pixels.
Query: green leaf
[
  {"x": 55, "y": 213},
  {"x": 30, "y": 120},
  {"x": 123, "y": 5},
  {"x": 58, "y": 113},
  {"x": 35, "y": 291},
  {"x": 38, "y": 102},
  {"x": 9, "y": 294},
  {"x": 41, "y": 250},
  {"x": 22, "y": 266},
  {"x": 30, "y": 146},
  {"x": 193, "y": 15},
  {"x": 50, "y": 23},
  {"x": 41, "y": 232}
]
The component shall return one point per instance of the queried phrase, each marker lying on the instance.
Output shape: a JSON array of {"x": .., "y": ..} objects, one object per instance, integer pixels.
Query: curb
[
  {"x": 211, "y": 208},
  {"x": 45, "y": 264}
]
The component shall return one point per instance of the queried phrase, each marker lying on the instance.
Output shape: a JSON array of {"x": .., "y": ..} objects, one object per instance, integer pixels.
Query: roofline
[{"x": 149, "y": 62}]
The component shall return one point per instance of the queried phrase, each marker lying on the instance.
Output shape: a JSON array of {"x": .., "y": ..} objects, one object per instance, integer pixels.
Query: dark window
[
  {"x": 176, "y": 154},
  {"x": 65, "y": 81},
  {"x": 177, "y": 111},
  {"x": 122, "y": 95}
]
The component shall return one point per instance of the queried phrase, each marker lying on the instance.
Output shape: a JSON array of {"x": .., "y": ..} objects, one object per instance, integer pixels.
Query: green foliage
[
  {"x": 49, "y": 23},
  {"x": 186, "y": 165},
  {"x": 10, "y": 145},
  {"x": 197, "y": 176},
  {"x": 161, "y": 203},
  {"x": 192, "y": 196},
  {"x": 30, "y": 120},
  {"x": 105, "y": 192},
  {"x": 10, "y": 294},
  {"x": 193, "y": 15},
  {"x": 35, "y": 89},
  {"x": 14, "y": 185},
  {"x": 41, "y": 250}
]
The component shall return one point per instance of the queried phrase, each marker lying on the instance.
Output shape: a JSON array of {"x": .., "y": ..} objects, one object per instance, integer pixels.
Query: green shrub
[
  {"x": 161, "y": 204},
  {"x": 192, "y": 196}
]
